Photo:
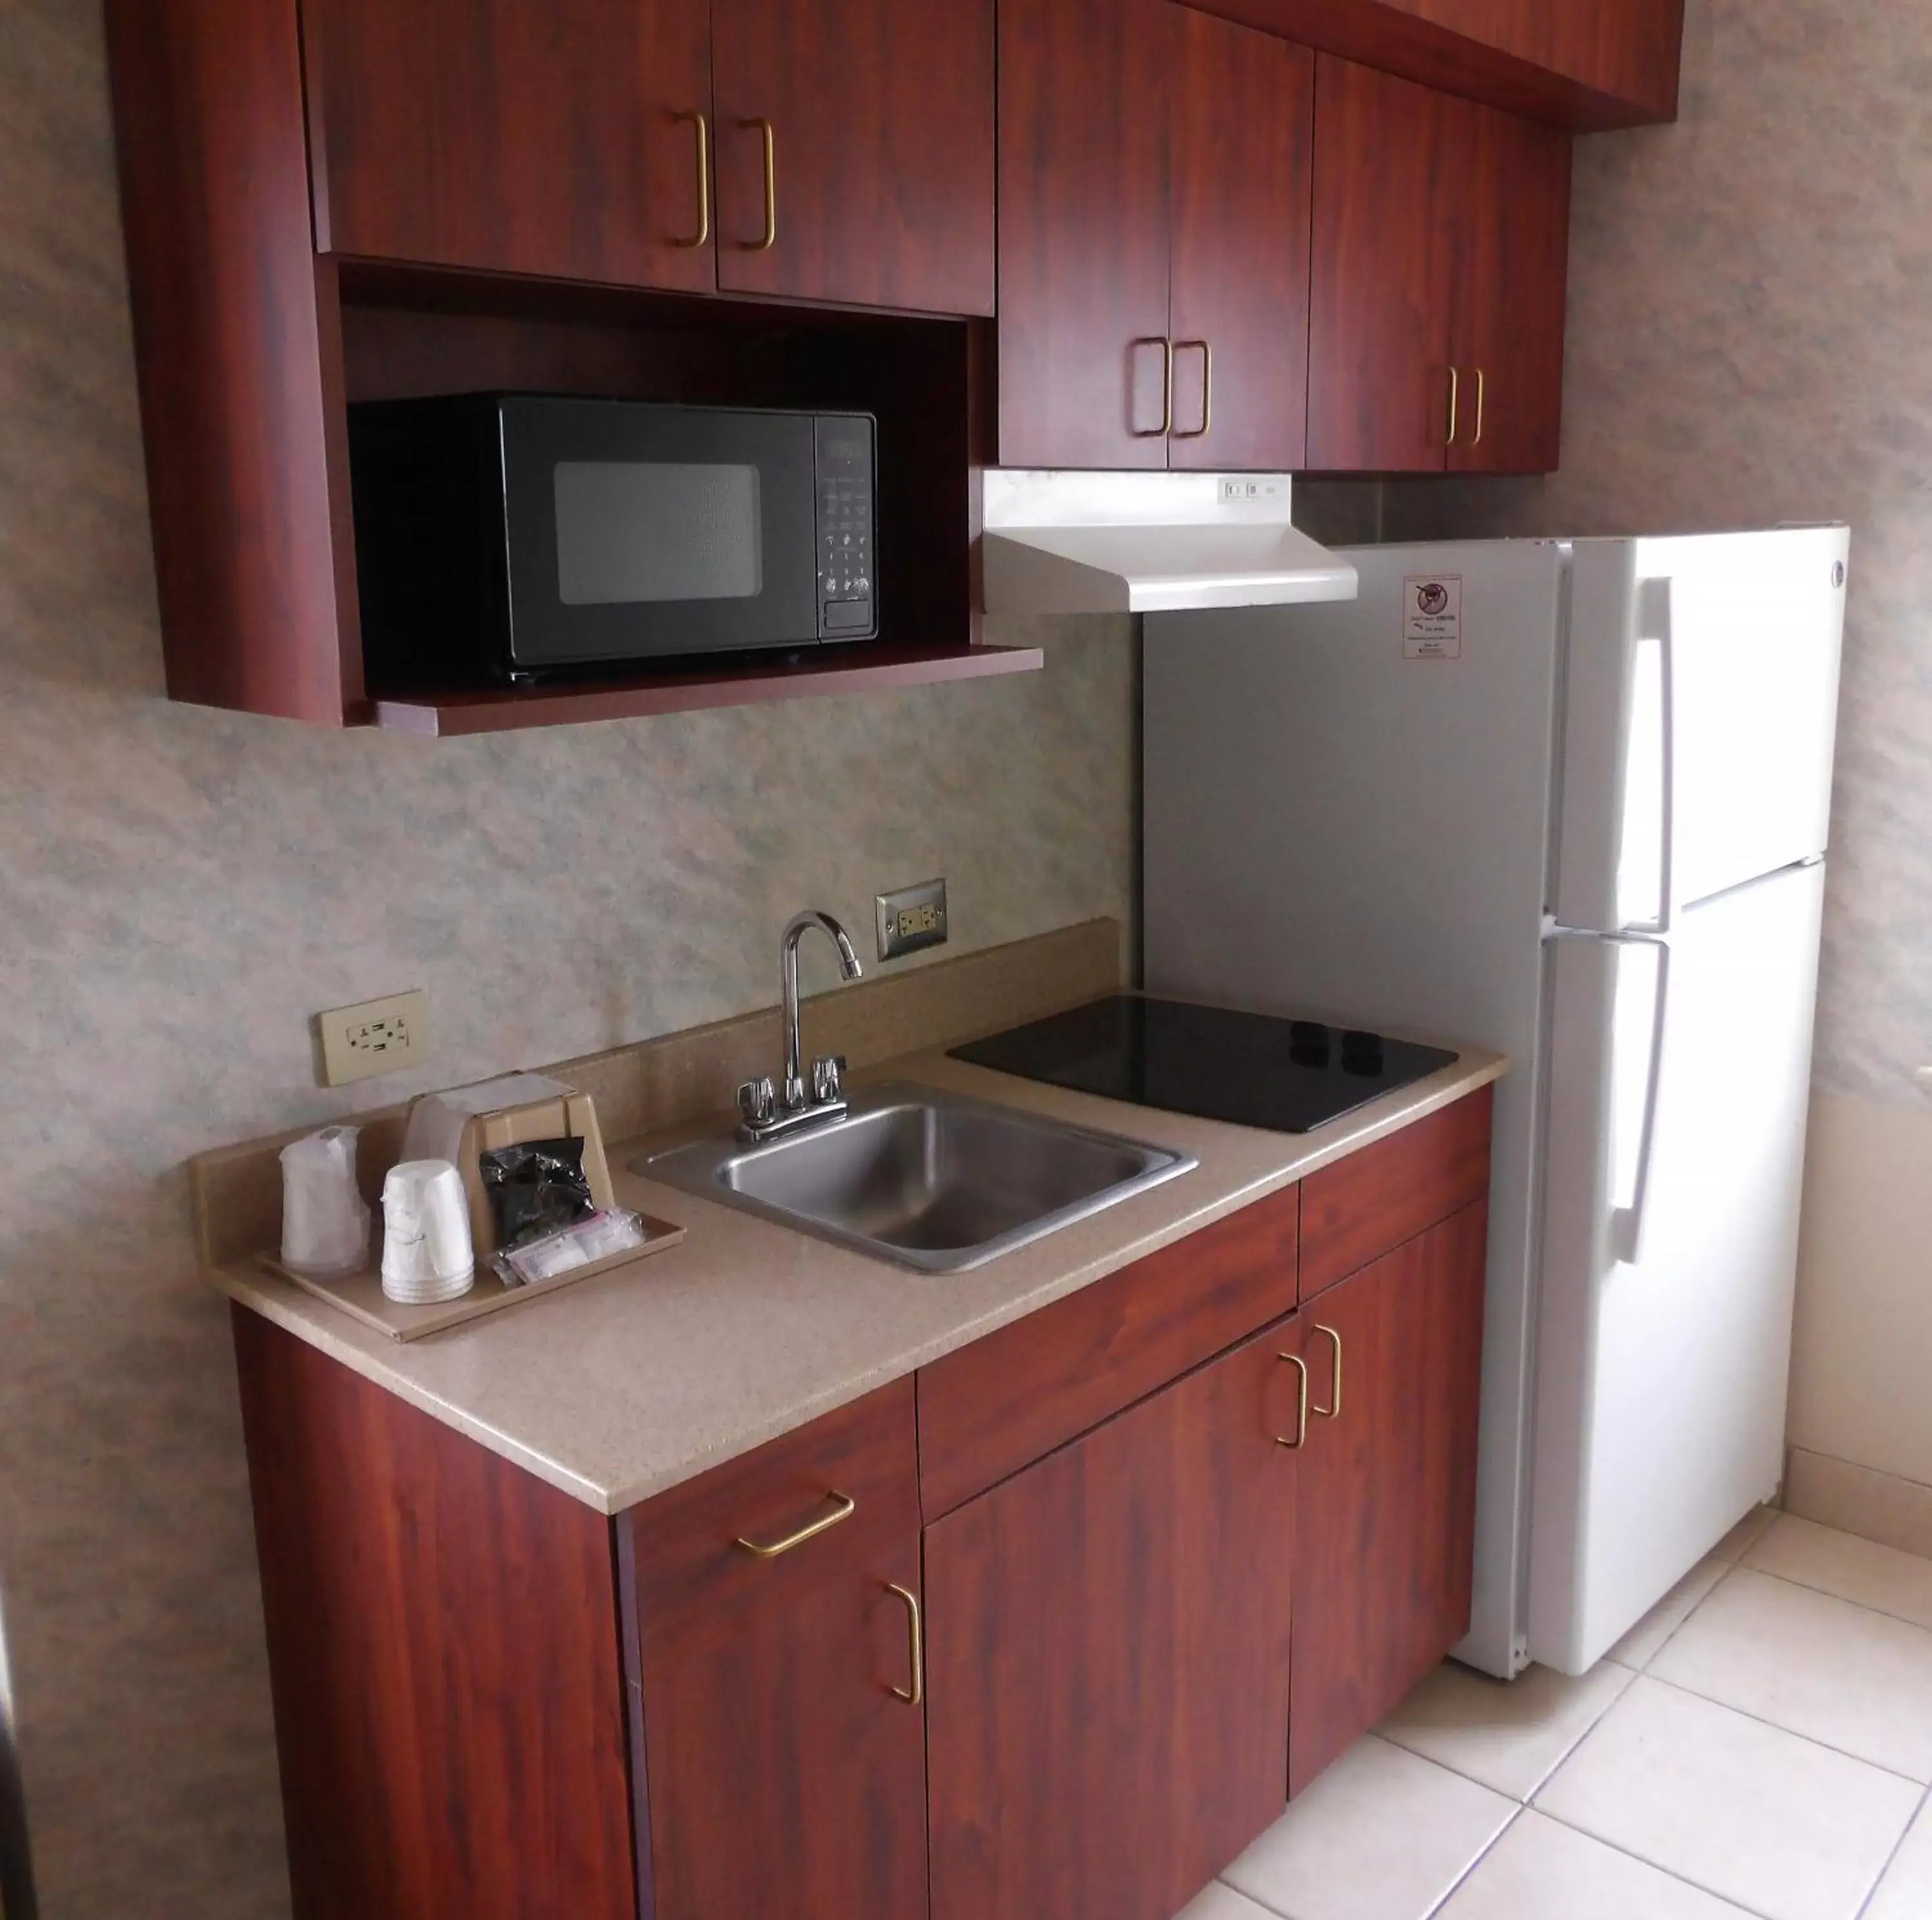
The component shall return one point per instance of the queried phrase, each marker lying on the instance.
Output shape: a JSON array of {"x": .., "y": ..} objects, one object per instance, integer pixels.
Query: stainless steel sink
[{"x": 931, "y": 1180}]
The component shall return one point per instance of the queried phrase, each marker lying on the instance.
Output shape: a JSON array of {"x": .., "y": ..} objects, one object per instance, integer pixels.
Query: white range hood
[{"x": 1149, "y": 543}]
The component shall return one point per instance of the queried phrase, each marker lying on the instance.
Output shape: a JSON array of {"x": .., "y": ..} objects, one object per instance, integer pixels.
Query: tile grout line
[
  {"x": 1669, "y": 1872},
  {"x": 1824, "y": 1592},
  {"x": 1790, "y": 1733},
  {"x": 1704, "y": 1600},
  {"x": 1495, "y": 1839},
  {"x": 1892, "y": 1858}
]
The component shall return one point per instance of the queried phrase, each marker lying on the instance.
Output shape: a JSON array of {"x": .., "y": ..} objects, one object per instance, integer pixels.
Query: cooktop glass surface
[{"x": 1254, "y": 1070}]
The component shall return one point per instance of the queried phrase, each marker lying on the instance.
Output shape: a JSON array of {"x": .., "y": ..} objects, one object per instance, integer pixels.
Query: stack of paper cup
[
  {"x": 426, "y": 1254},
  {"x": 324, "y": 1222}
]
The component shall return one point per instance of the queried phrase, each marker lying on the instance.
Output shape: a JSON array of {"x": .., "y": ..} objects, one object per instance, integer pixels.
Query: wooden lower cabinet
[
  {"x": 783, "y": 1741},
  {"x": 1107, "y": 1647},
  {"x": 1145, "y": 1621},
  {"x": 1387, "y": 1501}
]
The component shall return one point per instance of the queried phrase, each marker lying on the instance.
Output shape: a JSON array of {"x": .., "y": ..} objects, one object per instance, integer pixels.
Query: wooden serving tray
[{"x": 360, "y": 1295}]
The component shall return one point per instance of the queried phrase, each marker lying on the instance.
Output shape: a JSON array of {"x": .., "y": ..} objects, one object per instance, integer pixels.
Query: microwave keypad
[
  {"x": 845, "y": 540},
  {"x": 847, "y": 588}
]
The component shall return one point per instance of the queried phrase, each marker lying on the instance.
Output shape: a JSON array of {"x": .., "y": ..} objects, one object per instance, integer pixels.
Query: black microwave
[{"x": 511, "y": 536}]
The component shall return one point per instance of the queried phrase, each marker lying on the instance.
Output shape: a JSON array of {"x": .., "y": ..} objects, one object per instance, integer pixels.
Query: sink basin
[{"x": 931, "y": 1180}]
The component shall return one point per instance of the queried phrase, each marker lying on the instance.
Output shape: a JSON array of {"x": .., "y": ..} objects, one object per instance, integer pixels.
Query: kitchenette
[
  {"x": 933, "y": 918},
  {"x": 825, "y": 1559}
]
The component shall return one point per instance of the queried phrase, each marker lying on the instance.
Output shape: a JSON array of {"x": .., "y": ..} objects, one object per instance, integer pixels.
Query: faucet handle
[
  {"x": 828, "y": 1077},
  {"x": 757, "y": 1100}
]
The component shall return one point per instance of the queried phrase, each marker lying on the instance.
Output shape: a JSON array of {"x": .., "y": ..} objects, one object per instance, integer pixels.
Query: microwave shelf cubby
[{"x": 246, "y": 389}]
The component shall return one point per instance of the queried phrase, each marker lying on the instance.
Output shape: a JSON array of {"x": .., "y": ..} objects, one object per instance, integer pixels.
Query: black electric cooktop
[{"x": 1290, "y": 1077}]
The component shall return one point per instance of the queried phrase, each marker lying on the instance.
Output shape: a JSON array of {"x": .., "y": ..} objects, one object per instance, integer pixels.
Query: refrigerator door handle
[
  {"x": 1626, "y": 1223},
  {"x": 1655, "y": 622}
]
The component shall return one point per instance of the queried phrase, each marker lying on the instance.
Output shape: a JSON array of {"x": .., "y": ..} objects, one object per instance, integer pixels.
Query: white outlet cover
[{"x": 374, "y": 1037}]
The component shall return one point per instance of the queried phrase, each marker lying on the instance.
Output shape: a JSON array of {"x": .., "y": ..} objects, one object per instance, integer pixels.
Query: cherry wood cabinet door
[
  {"x": 1244, "y": 119},
  {"x": 1083, "y": 232},
  {"x": 559, "y": 139},
  {"x": 1108, "y": 1642},
  {"x": 1509, "y": 304},
  {"x": 783, "y": 1741},
  {"x": 1386, "y": 1504},
  {"x": 877, "y": 117},
  {"x": 1386, "y": 204},
  {"x": 1624, "y": 50}
]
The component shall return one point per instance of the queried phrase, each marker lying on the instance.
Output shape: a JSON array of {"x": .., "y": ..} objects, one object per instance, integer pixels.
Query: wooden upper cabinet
[
  {"x": 1108, "y": 1640},
  {"x": 1243, "y": 105},
  {"x": 1386, "y": 1498},
  {"x": 1583, "y": 65},
  {"x": 1384, "y": 251},
  {"x": 1083, "y": 232},
  {"x": 560, "y": 139},
  {"x": 781, "y": 1694},
  {"x": 1440, "y": 256},
  {"x": 1625, "y": 51},
  {"x": 876, "y": 117},
  {"x": 1155, "y": 183},
  {"x": 1509, "y": 306}
]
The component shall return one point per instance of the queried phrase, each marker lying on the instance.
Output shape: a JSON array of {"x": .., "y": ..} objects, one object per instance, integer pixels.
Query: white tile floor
[{"x": 1760, "y": 1746}]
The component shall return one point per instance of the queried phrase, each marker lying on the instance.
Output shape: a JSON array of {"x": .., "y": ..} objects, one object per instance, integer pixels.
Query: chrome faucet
[{"x": 766, "y": 1111}]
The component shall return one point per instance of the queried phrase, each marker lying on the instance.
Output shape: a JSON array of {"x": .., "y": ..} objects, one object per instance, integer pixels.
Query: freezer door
[
  {"x": 1701, "y": 716},
  {"x": 1669, "y": 1251}
]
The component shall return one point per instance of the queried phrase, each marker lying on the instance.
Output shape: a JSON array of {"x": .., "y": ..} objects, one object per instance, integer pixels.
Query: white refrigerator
[{"x": 1568, "y": 800}]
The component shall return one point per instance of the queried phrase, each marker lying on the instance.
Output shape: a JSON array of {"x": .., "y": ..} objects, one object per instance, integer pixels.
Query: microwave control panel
[{"x": 847, "y": 588}]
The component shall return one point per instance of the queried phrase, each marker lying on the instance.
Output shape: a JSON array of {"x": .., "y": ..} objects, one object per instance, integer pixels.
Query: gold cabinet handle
[
  {"x": 1166, "y": 426},
  {"x": 769, "y": 238},
  {"x": 1300, "y": 1367},
  {"x": 843, "y": 1508},
  {"x": 917, "y": 1650},
  {"x": 1482, "y": 404},
  {"x": 1333, "y": 1411},
  {"x": 1455, "y": 402},
  {"x": 1207, "y": 353},
  {"x": 698, "y": 121}
]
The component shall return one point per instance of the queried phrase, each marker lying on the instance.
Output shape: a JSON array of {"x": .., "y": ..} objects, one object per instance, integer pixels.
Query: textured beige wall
[
  {"x": 1861, "y": 1388},
  {"x": 1750, "y": 341},
  {"x": 179, "y": 889}
]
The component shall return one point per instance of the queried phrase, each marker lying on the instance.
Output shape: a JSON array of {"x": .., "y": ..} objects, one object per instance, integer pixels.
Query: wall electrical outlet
[
  {"x": 913, "y": 918},
  {"x": 377, "y": 1037}
]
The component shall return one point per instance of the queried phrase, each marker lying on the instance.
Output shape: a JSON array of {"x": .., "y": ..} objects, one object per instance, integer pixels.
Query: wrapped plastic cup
[
  {"x": 426, "y": 1252},
  {"x": 324, "y": 1219}
]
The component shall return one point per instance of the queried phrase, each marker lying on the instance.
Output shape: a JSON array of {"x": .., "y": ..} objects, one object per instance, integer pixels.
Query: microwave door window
[
  {"x": 632, "y": 533},
  {"x": 638, "y": 531}
]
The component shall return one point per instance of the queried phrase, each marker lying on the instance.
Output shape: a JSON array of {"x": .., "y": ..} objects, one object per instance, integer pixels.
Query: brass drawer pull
[
  {"x": 1300, "y": 1367},
  {"x": 1333, "y": 1411},
  {"x": 769, "y": 238},
  {"x": 914, "y": 1628},
  {"x": 1207, "y": 353},
  {"x": 698, "y": 121},
  {"x": 1482, "y": 404},
  {"x": 845, "y": 1508},
  {"x": 1455, "y": 402}
]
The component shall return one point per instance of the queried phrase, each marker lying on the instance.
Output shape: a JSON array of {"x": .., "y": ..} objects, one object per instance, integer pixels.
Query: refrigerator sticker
[{"x": 1431, "y": 616}]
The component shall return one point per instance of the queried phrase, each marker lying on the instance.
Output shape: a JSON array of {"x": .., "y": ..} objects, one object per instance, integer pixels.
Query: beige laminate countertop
[{"x": 617, "y": 1389}]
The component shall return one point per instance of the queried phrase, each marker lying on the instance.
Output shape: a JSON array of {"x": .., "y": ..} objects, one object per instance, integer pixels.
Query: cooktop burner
[{"x": 1290, "y": 1077}]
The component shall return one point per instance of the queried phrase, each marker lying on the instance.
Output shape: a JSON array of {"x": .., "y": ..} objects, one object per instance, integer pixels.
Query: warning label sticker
[{"x": 1431, "y": 616}]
